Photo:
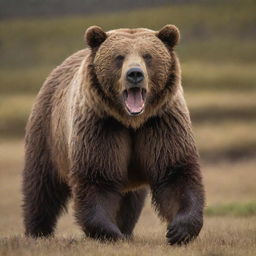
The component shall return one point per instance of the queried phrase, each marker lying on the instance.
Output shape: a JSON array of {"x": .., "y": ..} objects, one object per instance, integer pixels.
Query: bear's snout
[
  {"x": 135, "y": 89},
  {"x": 134, "y": 76}
]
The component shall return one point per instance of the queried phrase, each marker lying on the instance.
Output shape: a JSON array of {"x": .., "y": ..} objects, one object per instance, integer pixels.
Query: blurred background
[{"x": 218, "y": 59}]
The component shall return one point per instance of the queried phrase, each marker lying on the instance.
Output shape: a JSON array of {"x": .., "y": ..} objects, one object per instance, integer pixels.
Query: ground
[{"x": 221, "y": 235}]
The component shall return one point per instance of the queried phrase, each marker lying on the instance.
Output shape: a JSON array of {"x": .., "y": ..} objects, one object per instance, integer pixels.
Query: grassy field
[
  {"x": 227, "y": 231},
  {"x": 218, "y": 59}
]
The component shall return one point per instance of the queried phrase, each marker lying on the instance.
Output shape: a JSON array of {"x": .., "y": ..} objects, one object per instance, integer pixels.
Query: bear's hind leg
[
  {"x": 131, "y": 206},
  {"x": 45, "y": 196}
]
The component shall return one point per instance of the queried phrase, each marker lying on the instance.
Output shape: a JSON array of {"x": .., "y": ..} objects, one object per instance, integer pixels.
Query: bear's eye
[
  {"x": 119, "y": 58},
  {"x": 147, "y": 57}
]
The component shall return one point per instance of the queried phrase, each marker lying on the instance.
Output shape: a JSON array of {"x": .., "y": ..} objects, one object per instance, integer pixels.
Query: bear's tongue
[{"x": 134, "y": 100}]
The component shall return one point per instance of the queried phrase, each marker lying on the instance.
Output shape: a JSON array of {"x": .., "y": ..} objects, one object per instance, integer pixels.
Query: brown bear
[{"x": 108, "y": 123}]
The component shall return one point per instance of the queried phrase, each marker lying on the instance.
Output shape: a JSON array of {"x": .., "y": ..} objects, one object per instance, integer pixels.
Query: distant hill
[{"x": 53, "y": 8}]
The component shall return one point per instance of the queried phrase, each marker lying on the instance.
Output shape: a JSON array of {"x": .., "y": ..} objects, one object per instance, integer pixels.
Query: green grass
[{"x": 232, "y": 209}]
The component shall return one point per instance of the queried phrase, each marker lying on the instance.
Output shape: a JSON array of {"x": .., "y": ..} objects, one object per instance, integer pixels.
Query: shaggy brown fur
[{"x": 81, "y": 141}]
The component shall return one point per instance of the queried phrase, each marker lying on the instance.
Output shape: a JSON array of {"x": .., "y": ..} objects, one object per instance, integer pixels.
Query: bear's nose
[{"x": 134, "y": 75}]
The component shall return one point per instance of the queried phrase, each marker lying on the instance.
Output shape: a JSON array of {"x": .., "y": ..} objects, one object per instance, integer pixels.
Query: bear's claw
[
  {"x": 181, "y": 233},
  {"x": 177, "y": 237}
]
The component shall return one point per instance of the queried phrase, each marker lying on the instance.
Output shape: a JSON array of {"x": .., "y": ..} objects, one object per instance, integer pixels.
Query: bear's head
[{"x": 134, "y": 71}]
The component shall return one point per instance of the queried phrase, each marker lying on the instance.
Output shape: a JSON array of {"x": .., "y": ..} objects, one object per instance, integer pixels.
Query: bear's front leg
[
  {"x": 179, "y": 199},
  {"x": 95, "y": 210},
  {"x": 99, "y": 157}
]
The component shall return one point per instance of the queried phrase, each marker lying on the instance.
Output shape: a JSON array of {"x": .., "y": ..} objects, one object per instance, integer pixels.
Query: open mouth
[{"x": 134, "y": 99}]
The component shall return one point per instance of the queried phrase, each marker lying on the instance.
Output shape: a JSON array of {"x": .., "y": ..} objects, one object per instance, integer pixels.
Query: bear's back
[
  {"x": 48, "y": 113},
  {"x": 62, "y": 75}
]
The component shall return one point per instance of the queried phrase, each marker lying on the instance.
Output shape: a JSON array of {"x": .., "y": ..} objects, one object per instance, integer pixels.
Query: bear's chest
[
  {"x": 142, "y": 159},
  {"x": 135, "y": 175}
]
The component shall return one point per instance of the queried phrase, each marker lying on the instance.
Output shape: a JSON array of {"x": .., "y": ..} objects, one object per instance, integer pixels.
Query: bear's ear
[
  {"x": 95, "y": 36},
  {"x": 169, "y": 35}
]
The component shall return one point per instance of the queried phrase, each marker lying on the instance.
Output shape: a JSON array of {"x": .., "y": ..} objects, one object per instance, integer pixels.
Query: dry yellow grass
[
  {"x": 225, "y": 182},
  {"x": 221, "y": 236},
  {"x": 228, "y": 139},
  {"x": 204, "y": 99}
]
